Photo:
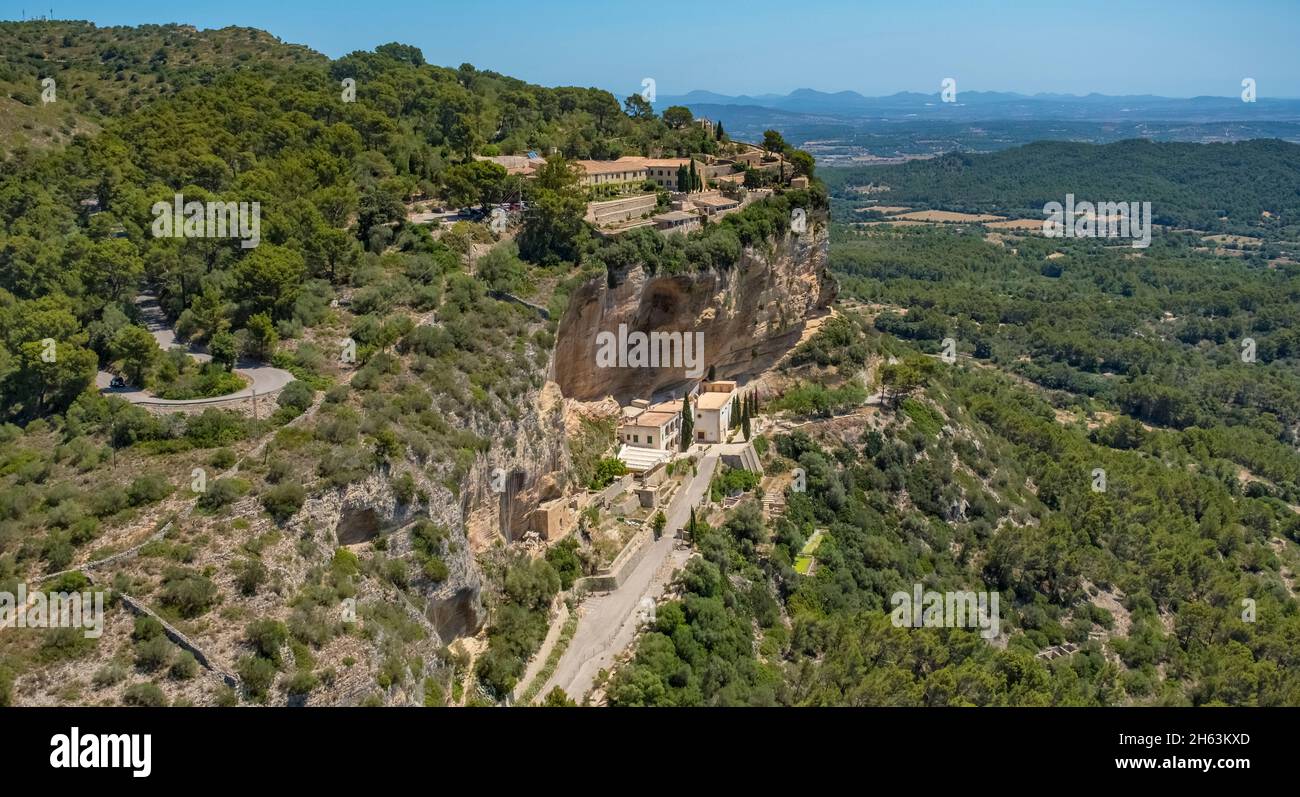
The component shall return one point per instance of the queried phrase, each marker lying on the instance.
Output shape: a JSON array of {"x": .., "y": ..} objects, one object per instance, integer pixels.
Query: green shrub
[
  {"x": 144, "y": 694},
  {"x": 607, "y": 470},
  {"x": 213, "y": 427},
  {"x": 188, "y": 592},
  {"x": 395, "y": 573},
  {"x": 146, "y": 628},
  {"x": 109, "y": 675},
  {"x": 563, "y": 556},
  {"x": 283, "y": 500},
  {"x": 296, "y": 395},
  {"x": 257, "y": 674},
  {"x": 435, "y": 569},
  {"x": 311, "y": 626},
  {"x": 225, "y": 697},
  {"x": 153, "y": 654},
  {"x": 185, "y": 666},
  {"x": 249, "y": 575},
  {"x": 147, "y": 489},
  {"x": 267, "y": 638},
  {"x": 301, "y": 682},
  {"x": 434, "y": 697},
  {"x": 223, "y": 458},
  {"x": 221, "y": 493}
]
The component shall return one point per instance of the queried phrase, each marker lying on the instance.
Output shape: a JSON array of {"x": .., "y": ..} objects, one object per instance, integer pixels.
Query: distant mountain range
[{"x": 987, "y": 105}]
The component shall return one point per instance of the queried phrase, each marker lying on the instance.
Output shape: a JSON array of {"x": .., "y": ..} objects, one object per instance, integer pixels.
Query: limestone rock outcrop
[{"x": 749, "y": 315}]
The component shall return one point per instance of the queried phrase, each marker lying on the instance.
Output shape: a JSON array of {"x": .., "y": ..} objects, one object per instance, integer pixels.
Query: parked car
[{"x": 117, "y": 381}]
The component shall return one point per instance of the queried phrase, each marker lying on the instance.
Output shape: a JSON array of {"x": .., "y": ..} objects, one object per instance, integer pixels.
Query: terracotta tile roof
[
  {"x": 652, "y": 419},
  {"x": 713, "y": 401}
]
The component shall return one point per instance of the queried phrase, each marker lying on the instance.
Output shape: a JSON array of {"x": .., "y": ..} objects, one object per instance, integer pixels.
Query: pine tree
[
  {"x": 683, "y": 179},
  {"x": 695, "y": 178},
  {"x": 717, "y": 131},
  {"x": 745, "y": 424},
  {"x": 735, "y": 412}
]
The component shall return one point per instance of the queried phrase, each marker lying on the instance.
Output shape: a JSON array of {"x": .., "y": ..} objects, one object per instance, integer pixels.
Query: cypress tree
[{"x": 688, "y": 423}]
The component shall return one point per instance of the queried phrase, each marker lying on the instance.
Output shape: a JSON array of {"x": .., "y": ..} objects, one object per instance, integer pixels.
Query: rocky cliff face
[
  {"x": 533, "y": 461},
  {"x": 748, "y": 316},
  {"x": 362, "y": 511}
]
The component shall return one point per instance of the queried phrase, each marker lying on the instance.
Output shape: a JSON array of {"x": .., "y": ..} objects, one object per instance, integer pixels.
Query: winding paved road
[
  {"x": 262, "y": 379},
  {"x": 607, "y": 623}
]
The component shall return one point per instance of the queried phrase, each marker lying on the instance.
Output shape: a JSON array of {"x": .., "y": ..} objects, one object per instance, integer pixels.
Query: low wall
[
  {"x": 746, "y": 458},
  {"x": 611, "y": 578},
  {"x": 614, "y": 490},
  {"x": 503, "y": 296},
  {"x": 265, "y": 404},
  {"x": 616, "y": 210},
  {"x": 182, "y": 641}
]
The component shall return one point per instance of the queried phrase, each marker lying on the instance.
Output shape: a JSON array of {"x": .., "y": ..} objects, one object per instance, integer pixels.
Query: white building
[
  {"x": 713, "y": 411},
  {"x": 649, "y": 434},
  {"x": 644, "y": 426}
]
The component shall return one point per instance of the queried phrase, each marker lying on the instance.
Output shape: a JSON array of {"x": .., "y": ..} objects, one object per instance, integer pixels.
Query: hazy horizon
[{"x": 1177, "y": 50}]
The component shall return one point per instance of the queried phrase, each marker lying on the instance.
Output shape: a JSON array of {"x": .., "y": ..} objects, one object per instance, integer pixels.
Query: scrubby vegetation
[{"x": 982, "y": 474}]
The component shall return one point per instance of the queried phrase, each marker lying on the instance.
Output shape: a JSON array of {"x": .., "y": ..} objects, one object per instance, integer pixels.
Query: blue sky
[{"x": 1172, "y": 47}]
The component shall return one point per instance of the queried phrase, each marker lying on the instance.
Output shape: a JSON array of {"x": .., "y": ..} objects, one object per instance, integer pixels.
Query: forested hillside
[
  {"x": 1248, "y": 187},
  {"x": 105, "y": 72},
  {"x": 1173, "y": 372},
  {"x": 983, "y": 474},
  {"x": 405, "y": 370},
  {"x": 331, "y": 178}
]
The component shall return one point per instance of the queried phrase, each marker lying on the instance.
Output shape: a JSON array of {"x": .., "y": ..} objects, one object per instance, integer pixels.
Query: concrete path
[
  {"x": 261, "y": 378},
  {"x": 607, "y": 623}
]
